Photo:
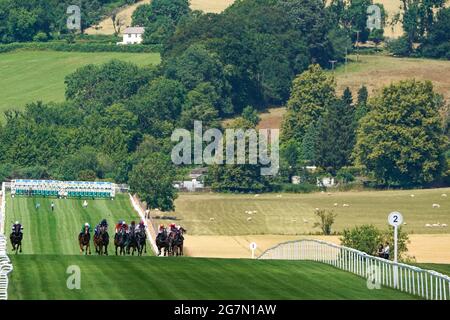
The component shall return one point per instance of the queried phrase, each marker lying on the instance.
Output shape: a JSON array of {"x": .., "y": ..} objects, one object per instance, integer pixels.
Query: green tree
[
  {"x": 250, "y": 114},
  {"x": 326, "y": 220},
  {"x": 152, "y": 180},
  {"x": 401, "y": 139},
  {"x": 312, "y": 92}
]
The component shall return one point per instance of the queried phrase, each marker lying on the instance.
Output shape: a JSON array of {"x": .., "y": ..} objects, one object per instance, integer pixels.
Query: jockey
[
  {"x": 18, "y": 225},
  {"x": 86, "y": 225},
  {"x": 103, "y": 223},
  {"x": 173, "y": 227},
  {"x": 133, "y": 226},
  {"x": 161, "y": 228},
  {"x": 119, "y": 225},
  {"x": 141, "y": 225}
]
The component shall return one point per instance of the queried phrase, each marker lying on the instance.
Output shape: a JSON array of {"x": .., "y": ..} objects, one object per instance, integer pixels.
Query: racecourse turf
[
  {"x": 47, "y": 232},
  {"x": 46, "y": 277}
]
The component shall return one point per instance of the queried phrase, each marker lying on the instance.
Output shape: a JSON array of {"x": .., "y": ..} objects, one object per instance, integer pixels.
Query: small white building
[
  {"x": 326, "y": 182},
  {"x": 132, "y": 35}
]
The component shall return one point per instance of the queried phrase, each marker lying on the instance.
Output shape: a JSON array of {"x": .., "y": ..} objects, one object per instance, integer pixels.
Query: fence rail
[
  {"x": 427, "y": 284},
  {"x": 5, "y": 264}
]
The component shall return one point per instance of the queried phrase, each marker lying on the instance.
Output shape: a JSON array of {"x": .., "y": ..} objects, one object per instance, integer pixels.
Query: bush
[
  {"x": 367, "y": 238},
  {"x": 40, "y": 37},
  {"x": 298, "y": 188},
  {"x": 400, "y": 47},
  {"x": 326, "y": 220}
]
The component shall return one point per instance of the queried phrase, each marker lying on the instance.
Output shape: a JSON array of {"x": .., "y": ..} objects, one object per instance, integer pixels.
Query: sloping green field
[
  {"x": 45, "y": 277},
  {"x": 47, "y": 232},
  {"x": 28, "y": 76}
]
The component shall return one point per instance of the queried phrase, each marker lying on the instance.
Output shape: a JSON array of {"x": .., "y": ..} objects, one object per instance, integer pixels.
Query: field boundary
[
  {"x": 427, "y": 284},
  {"x": 5, "y": 264},
  {"x": 150, "y": 231}
]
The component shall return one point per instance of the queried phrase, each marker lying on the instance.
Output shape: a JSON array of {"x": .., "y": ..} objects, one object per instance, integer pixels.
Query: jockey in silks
[
  {"x": 133, "y": 227},
  {"x": 17, "y": 226},
  {"x": 86, "y": 225},
  {"x": 161, "y": 228},
  {"x": 103, "y": 223},
  {"x": 142, "y": 225}
]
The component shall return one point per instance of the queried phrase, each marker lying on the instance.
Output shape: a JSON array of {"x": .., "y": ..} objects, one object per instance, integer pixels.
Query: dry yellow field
[{"x": 425, "y": 248}]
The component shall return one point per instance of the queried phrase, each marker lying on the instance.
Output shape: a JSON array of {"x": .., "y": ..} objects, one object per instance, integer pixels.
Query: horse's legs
[
  {"x": 116, "y": 250},
  {"x": 20, "y": 244}
]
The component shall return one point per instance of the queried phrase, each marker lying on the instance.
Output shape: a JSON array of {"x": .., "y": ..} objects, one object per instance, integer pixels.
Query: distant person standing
[
  {"x": 85, "y": 204},
  {"x": 53, "y": 206},
  {"x": 38, "y": 205},
  {"x": 387, "y": 251}
]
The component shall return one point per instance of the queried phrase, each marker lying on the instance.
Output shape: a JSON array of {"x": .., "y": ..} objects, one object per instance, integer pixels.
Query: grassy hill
[
  {"x": 48, "y": 232},
  {"x": 185, "y": 278},
  {"x": 28, "y": 76},
  {"x": 286, "y": 214}
]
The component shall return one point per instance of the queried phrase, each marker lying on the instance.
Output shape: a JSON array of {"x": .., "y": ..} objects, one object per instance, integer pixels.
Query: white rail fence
[
  {"x": 427, "y": 284},
  {"x": 150, "y": 231},
  {"x": 5, "y": 264}
]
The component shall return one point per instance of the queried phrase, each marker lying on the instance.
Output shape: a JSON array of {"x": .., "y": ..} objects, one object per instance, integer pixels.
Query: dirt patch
[{"x": 426, "y": 248}]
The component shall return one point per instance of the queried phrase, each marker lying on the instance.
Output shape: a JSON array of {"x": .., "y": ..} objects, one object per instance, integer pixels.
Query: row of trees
[{"x": 398, "y": 135}]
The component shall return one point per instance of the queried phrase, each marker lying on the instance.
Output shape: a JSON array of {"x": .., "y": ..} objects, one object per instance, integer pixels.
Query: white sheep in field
[
  {"x": 412, "y": 196},
  {"x": 249, "y": 219},
  {"x": 435, "y": 205},
  {"x": 279, "y": 195},
  {"x": 443, "y": 195},
  {"x": 335, "y": 204},
  {"x": 427, "y": 225},
  {"x": 346, "y": 205},
  {"x": 211, "y": 219},
  {"x": 317, "y": 209},
  {"x": 305, "y": 220},
  {"x": 444, "y": 225},
  {"x": 256, "y": 195}
]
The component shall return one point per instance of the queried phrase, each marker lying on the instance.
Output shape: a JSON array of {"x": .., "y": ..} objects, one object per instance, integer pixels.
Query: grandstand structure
[{"x": 63, "y": 189}]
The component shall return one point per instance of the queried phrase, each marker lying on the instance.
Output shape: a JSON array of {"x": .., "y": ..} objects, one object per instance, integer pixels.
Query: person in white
[
  {"x": 387, "y": 251},
  {"x": 85, "y": 204}
]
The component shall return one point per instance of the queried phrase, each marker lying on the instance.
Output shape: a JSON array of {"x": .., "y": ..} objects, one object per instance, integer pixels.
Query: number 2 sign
[{"x": 395, "y": 219}]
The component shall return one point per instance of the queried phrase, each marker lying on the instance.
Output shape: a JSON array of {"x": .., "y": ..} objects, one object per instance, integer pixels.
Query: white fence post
[{"x": 5, "y": 264}]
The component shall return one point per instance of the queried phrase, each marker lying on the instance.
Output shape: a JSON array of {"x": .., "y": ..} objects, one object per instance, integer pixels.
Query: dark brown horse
[
  {"x": 141, "y": 240},
  {"x": 16, "y": 239},
  {"x": 84, "y": 239},
  {"x": 176, "y": 241},
  {"x": 162, "y": 242},
  {"x": 101, "y": 241},
  {"x": 120, "y": 241}
]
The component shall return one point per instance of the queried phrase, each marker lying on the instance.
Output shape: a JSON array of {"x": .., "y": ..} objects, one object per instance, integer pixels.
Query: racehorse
[
  {"x": 101, "y": 240},
  {"x": 132, "y": 242},
  {"x": 162, "y": 242},
  {"x": 120, "y": 241},
  {"x": 16, "y": 239},
  {"x": 141, "y": 240},
  {"x": 84, "y": 240},
  {"x": 176, "y": 241}
]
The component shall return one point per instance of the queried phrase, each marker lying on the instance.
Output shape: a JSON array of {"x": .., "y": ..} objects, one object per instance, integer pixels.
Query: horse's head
[
  {"x": 183, "y": 230},
  {"x": 86, "y": 230}
]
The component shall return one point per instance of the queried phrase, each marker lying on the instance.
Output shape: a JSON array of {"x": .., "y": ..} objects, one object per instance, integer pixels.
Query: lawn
[
  {"x": 47, "y": 232},
  {"x": 29, "y": 76},
  {"x": 294, "y": 213},
  {"x": 45, "y": 277}
]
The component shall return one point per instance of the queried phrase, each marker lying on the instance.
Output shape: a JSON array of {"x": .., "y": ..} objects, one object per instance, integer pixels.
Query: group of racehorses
[
  {"x": 125, "y": 242},
  {"x": 168, "y": 242}
]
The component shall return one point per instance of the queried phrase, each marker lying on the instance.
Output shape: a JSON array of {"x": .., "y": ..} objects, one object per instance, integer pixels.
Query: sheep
[
  {"x": 256, "y": 195},
  {"x": 412, "y": 196},
  {"x": 305, "y": 220},
  {"x": 317, "y": 209},
  {"x": 211, "y": 219},
  {"x": 404, "y": 223},
  {"x": 443, "y": 195},
  {"x": 335, "y": 204},
  {"x": 435, "y": 205},
  {"x": 279, "y": 195},
  {"x": 444, "y": 225},
  {"x": 249, "y": 219},
  {"x": 346, "y": 205},
  {"x": 427, "y": 225}
]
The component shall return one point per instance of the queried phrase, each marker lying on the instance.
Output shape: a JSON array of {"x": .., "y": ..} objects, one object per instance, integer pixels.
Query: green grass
[
  {"x": 47, "y": 232},
  {"x": 28, "y": 76},
  {"x": 45, "y": 277},
  {"x": 285, "y": 215},
  {"x": 442, "y": 268}
]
